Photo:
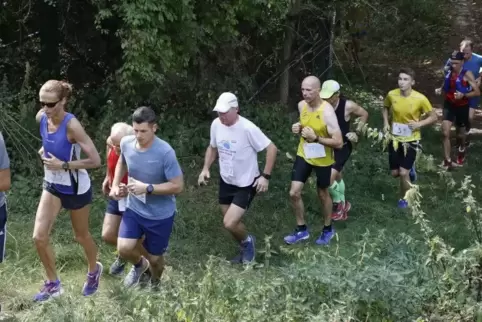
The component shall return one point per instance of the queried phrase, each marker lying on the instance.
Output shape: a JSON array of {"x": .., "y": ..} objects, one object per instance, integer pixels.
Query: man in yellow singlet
[
  {"x": 320, "y": 134},
  {"x": 407, "y": 107}
]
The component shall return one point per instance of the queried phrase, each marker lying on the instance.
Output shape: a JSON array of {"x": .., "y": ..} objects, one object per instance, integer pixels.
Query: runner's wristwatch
[
  {"x": 65, "y": 166},
  {"x": 266, "y": 176},
  {"x": 150, "y": 189}
]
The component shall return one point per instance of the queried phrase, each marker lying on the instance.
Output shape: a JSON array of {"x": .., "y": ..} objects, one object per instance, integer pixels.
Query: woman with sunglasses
[{"x": 66, "y": 185}]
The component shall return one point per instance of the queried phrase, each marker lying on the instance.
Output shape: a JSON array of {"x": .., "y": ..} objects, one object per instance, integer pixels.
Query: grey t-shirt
[
  {"x": 4, "y": 164},
  {"x": 155, "y": 166}
]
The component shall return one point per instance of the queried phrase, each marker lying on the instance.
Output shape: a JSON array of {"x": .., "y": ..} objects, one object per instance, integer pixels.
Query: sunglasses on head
[{"x": 49, "y": 105}]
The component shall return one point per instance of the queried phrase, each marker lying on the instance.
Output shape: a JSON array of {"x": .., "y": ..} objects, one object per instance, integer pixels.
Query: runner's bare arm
[
  {"x": 173, "y": 174},
  {"x": 39, "y": 115},
  {"x": 107, "y": 151},
  {"x": 172, "y": 187},
  {"x": 300, "y": 106},
  {"x": 386, "y": 107},
  {"x": 77, "y": 133},
  {"x": 210, "y": 157},
  {"x": 335, "y": 140},
  {"x": 5, "y": 179},
  {"x": 5, "y": 174},
  {"x": 357, "y": 110},
  {"x": 431, "y": 118},
  {"x": 469, "y": 77},
  {"x": 271, "y": 153},
  {"x": 120, "y": 171}
]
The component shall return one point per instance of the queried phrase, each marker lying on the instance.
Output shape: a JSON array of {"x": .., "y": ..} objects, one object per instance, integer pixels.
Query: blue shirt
[
  {"x": 158, "y": 164},
  {"x": 4, "y": 164},
  {"x": 474, "y": 64}
]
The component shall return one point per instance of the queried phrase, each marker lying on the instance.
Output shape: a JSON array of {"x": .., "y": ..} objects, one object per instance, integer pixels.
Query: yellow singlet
[{"x": 316, "y": 121}]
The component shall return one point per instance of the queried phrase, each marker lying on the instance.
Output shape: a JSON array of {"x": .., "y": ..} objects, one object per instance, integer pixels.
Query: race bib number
[
  {"x": 401, "y": 129},
  {"x": 122, "y": 204},
  {"x": 57, "y": 177},
  {"x": 314, "y": 150},
  {"x": 226, "y": 164},
  {"x": 227, "y": 168},
  {"x": 141, "y": 197}
]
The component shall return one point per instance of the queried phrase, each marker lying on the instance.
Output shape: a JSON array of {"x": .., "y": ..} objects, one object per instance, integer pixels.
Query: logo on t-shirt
[{"x": 226, "y": 145}]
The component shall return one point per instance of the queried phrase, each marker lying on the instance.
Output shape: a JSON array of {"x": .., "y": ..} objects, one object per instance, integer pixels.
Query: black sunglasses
[{"x": 49, "y": 105}]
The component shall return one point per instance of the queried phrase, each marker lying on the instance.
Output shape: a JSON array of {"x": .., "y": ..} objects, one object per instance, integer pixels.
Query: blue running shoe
[
  {"x": 49, "y": 290},
  {"x": 93, "y": 279},
  {"x": 402, "y": 203},
  {"x": 117, "y": 267},
  {"x": 133, "y": 278},
  {"x": 249, "y": 251},
  {"x": 297, "y": 236},
  {"x": 325, "y": 237}
]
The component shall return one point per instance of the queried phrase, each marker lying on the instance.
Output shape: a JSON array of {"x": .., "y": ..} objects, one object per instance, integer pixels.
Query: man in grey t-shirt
[
  {"x": 5, "y": 181},
  {"x": 155, "y": 177}
]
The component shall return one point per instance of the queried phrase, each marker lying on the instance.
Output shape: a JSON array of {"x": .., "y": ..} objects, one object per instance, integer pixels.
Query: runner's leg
[
  {"x": 110, "y": 231},
  {"x": 48, "y": 209},
  {"x": 323, "y": 182},
  {"x": 407, "y": 154},
  {"x": 462, "y": 121},
  {"x": 337, "y": 189},
  {"x": 80, "y": 225},
  {"x": 448, "y": 119},
  {"x": 130, "y": 233},
  {"x": 241, "y": 199},
  {"x": 300, "y": 173},
  {"x": 156, "y": 242}
]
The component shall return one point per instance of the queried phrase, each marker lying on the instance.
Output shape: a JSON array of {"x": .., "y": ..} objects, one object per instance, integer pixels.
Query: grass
[{"x": 374, "y": 270}]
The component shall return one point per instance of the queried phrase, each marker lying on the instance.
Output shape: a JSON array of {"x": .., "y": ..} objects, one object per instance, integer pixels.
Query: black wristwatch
[
  {"x": 266, "y": 176},
  {"x": 150, "y": 189},
  {"x": 65, "y": 166}
]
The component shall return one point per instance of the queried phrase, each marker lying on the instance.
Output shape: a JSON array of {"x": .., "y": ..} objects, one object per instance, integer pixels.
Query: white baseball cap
[
  {"x": 225, "y": 102},
  {"x": 329, "y": 88}
]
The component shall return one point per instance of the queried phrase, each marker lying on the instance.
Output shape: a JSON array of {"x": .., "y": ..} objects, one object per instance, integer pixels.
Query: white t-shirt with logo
[{"x": 238, "y": 146}]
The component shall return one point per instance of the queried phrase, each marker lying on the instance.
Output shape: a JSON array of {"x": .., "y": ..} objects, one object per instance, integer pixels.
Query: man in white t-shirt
[{"x": 237, "y": 141}]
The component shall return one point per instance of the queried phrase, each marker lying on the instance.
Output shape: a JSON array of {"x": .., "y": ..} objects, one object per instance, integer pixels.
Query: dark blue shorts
[
  {"x": 3, "y": 231},
  {"x": 70, "y": 202},
  {"x": 113, "y": 208},
  {"x": 474, "y": 102},
  {"x": 156, "y": 232}
]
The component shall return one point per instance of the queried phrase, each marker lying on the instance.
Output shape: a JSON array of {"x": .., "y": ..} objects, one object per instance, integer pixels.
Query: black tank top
[{"x": 340, "y": 115}]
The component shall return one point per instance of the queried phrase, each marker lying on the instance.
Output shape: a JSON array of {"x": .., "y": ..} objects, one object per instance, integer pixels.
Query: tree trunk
[
  {"x": 321, "y": 63},
  {"x": 284, "y": 84}
]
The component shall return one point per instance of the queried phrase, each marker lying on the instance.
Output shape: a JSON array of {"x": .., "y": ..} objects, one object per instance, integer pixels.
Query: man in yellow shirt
[
  {"x": 320, "y": 134},
  {"x": 407, "y": 107}
]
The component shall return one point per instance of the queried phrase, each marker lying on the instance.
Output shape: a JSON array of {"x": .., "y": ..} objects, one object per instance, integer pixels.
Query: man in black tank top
[{"x": 344, "y": 109}]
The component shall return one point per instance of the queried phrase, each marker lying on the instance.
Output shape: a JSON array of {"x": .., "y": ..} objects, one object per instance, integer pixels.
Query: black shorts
[
  {"x": 456, "y": 114},
  {"x": 240, "y": 196},
  {"x": 302, "y": 171},
  {"x": 342, "y": 155},
  {"x": 401, "y": 158},
  {"x": 70, "y": 202}
]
